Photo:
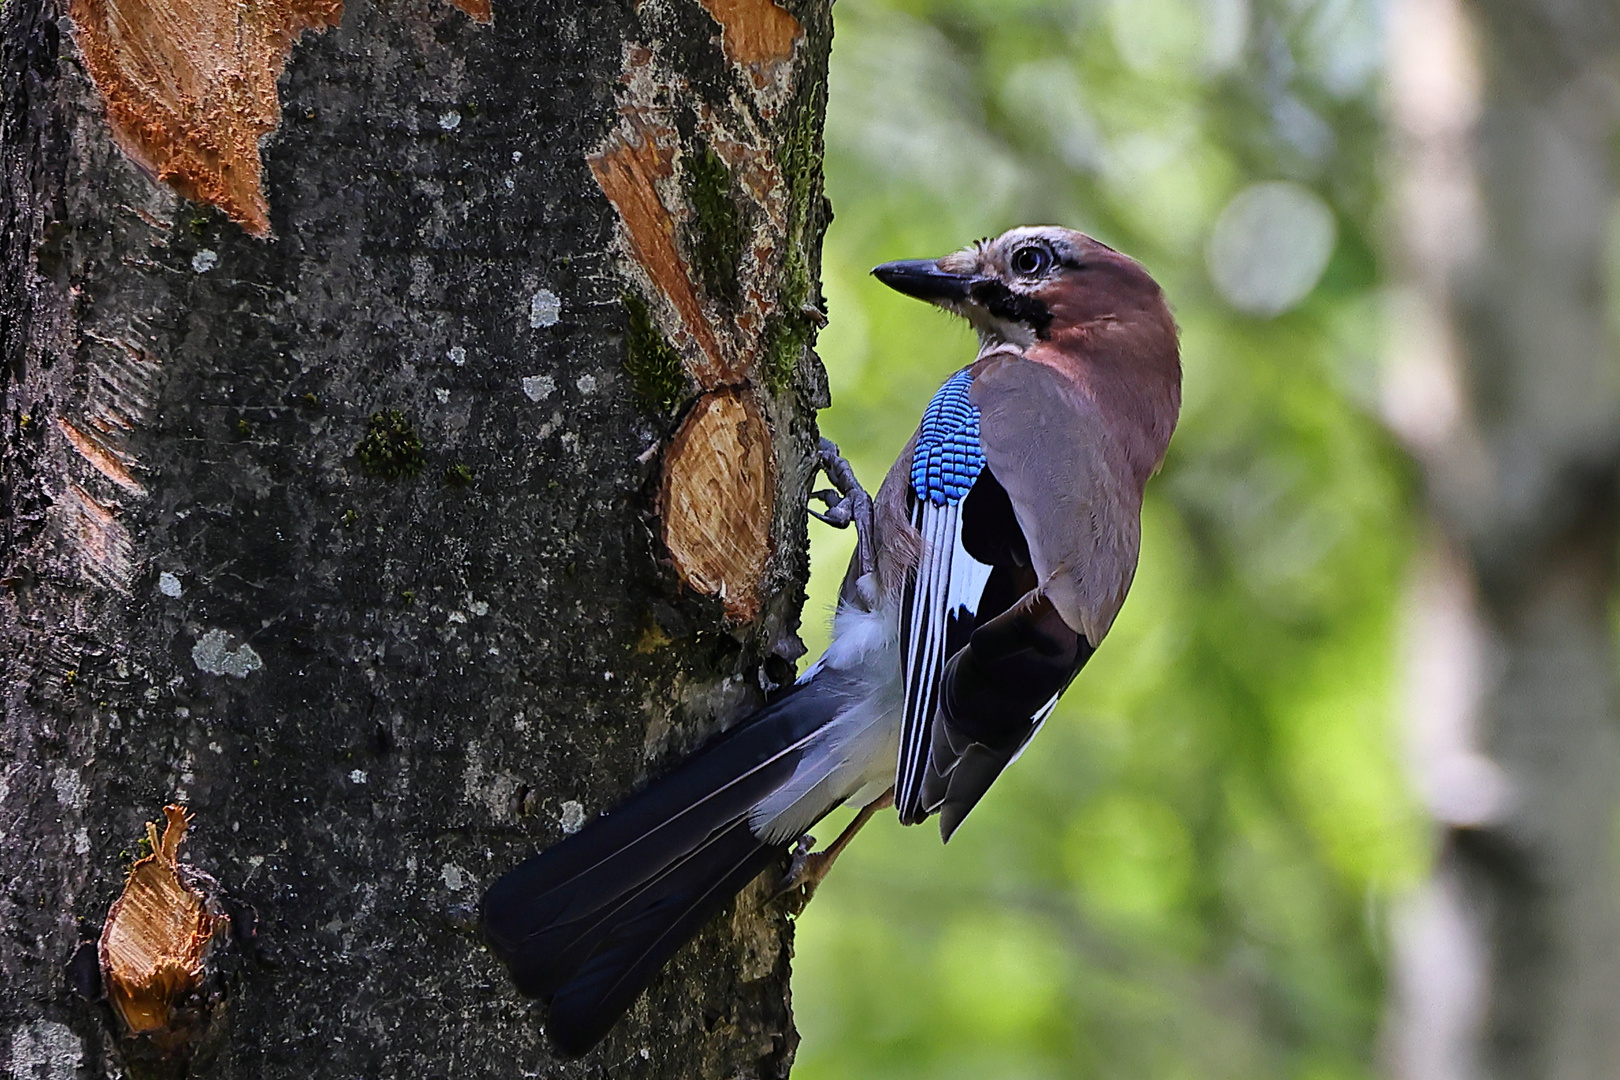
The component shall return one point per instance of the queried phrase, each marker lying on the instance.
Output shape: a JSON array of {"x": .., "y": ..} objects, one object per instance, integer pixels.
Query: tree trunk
[
  {"x": 1508, "y": 114},
  {"x": 392, "y": 515}
]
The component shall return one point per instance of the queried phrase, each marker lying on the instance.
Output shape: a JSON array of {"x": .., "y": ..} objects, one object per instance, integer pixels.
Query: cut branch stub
[
  {"x": 717, "y": 500},
  {"x": 158, "y": 934},
  {"x": 707, "y": 231}
]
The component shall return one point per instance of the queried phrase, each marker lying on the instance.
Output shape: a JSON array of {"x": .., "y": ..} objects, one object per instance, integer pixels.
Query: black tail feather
[
  {"x": 600, "y": 992},
  {"x": 586, "y": 924}
]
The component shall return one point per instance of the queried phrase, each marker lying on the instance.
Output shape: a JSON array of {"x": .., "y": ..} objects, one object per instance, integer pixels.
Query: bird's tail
[{"x": 587, "y": 923}]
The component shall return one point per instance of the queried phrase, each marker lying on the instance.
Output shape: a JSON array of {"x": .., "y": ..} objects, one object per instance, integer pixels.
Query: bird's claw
[
  {"x": 848, "y": 505},
  {"x": 795, "y": 871},
  {"x": 808, "y": 868},
  {"x": 840, "y": 510}
]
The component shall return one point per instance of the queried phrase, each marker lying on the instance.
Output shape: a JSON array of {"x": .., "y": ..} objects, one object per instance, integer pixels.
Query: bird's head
[{"x": 1037, "y": 283}]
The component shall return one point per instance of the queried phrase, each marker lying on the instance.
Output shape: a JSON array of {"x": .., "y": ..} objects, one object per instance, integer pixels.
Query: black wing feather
[
  {"x": 996, "y": 694},
  {"x": 1009, "y": 660}
]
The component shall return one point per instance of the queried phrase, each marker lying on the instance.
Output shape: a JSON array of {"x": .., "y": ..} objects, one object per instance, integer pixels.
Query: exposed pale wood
[
  {"x": 158, "y": 934},
  {"x": 757, "y": 34},
  {"x": 719, "y": 482},
  {"x": 190, "y": 86}
]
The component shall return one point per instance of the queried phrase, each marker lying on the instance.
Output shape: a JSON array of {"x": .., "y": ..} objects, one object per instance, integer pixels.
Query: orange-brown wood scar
[
  {"x": 719, "y": 472},
  {"x": 478, "y": 9},
  {"x": 628, "y": 169},
  {"x": 717, "y": 500},
  {"x": 112, "y": 464},
  {"x": 155, "y": 944},
  {"x": 755, "y": 33},
  {"x": 190, "y": 86},
  {"x": 104, "y": 548}
]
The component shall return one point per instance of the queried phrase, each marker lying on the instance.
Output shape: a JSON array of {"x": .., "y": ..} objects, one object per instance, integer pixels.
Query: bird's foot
[
  {"x": 847, "y": 504},
  {"x": 805, "y": 874},
  {"x": 809, "y": 867},
  {"x": 840, "y": 512},
  {"x": 801, "y": 856}
]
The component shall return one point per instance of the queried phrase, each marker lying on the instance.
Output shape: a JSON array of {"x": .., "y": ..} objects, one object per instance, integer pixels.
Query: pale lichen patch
[
  {"x": 45, "y": 1050},
  {"x": 571, "y": 816},
  {"x": 545, "y": 309},
  {"x": 213, "y": 653},
  {"x": 70, "y": 787},
  {"x": 495, "y": 793}
]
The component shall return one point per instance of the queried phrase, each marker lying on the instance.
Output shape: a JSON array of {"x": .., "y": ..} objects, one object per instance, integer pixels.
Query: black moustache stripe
[{"x": 1005, "y": 304}]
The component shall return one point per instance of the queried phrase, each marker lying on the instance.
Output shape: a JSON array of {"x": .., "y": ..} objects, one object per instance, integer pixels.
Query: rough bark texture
[
  {"x": 380, "y": 657},
  {"x": 1511, "y": 963}
]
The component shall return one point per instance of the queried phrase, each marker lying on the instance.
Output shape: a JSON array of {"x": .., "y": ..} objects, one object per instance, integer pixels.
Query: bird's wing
[
  {"x": 941, "y": 599},
  {"x": 1020, "y": 577}
]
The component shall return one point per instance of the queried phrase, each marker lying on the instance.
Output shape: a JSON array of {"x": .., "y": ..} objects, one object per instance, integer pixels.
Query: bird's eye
[{"x": 1031, "y": 261}]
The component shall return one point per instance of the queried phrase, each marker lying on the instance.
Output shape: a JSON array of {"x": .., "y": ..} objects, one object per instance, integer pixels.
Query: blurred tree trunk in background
[
  {"x": 346, "y": 535},
  {"x": 1506, "y": 382}
]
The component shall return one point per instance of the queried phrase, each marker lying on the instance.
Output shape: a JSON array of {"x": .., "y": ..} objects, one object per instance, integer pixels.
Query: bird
[{"x": 988, "y": 568}]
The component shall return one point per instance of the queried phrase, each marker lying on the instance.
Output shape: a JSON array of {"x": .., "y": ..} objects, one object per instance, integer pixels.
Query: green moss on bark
[
  {"x": 656, "y": 373},
  {"x": 785, "y": 341},
  {"x": 717, "y": 232},
  {"x": 391, "y": 448},
  {"x": 791, "y": 331}
]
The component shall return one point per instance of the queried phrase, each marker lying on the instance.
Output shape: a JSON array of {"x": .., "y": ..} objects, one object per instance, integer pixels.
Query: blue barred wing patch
[
  {"x": 943, "y": 592},
  {"x": 948, "y": 457}
]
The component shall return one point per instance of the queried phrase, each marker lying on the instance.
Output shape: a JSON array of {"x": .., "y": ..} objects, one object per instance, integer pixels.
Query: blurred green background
[{"x": 1188, "y": 874}]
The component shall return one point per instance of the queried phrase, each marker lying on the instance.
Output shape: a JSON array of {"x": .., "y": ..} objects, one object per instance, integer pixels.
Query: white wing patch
[
  {"x": 948, "y": 582},
  {"x": 1040, "y": 719}
]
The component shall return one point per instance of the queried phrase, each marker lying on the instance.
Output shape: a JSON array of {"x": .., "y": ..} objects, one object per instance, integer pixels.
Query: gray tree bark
[
  {"x": 351, "y": 538},
  {"x": 1507, "y": 115}
]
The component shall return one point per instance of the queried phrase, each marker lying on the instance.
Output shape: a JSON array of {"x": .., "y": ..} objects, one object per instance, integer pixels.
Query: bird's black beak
[{"x": 923, "y": 279}]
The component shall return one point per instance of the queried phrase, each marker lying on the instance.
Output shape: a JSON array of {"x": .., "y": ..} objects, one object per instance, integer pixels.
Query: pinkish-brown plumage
[
  {"x": 1078, "y": 447},
  {"x": 1077, "y": 387}
]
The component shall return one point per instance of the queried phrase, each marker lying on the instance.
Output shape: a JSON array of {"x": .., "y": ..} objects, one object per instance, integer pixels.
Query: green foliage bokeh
[{"x": 1187, "y": 873}]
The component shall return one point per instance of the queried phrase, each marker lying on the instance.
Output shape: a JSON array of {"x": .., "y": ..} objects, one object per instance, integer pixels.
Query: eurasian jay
[{"x": 987, "y": 570}]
